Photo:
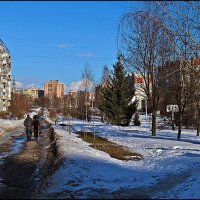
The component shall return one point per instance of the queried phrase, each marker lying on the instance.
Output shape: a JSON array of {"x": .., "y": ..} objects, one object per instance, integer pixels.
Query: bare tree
[
  {"x": 146, "y": 48},
  {"x": 163, "y": 31},
  {"x": 182, "y": 20},
  {"x": 87, "y": 78},
  {"x": 105, "y": 77},
  {"x": 19, "y": 105},
  {"x": 196, "y": 85}
]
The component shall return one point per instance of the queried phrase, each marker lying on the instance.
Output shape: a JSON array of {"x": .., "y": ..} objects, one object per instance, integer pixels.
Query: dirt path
[
  {"x": 18, "y": 172},
  {"x": 21, "y": 172}
]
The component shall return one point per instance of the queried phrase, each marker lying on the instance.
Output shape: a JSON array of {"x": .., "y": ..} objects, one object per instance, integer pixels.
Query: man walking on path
[{"x": 28, "y": 123}]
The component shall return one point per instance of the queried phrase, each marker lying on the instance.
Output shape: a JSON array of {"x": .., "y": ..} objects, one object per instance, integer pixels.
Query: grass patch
[{"x": 114, "y": 150}]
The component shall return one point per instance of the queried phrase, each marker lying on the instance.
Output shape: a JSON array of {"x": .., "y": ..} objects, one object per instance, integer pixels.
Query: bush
[
  {"x": 19, "y": 105},
  {"x": 4, "y": 115},
  {"x": 136, "y": 119}
]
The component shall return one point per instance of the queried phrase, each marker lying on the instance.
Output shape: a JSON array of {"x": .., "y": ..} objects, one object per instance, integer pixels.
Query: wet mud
[{"x": 114, "y": 150}]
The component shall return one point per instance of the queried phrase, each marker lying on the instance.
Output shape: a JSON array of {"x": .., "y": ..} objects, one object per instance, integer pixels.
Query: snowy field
[{"x": 170, "y": 168}]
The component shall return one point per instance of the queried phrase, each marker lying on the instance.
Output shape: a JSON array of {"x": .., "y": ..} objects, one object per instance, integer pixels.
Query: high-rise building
[
  {"x": 53, "y": 88},
  {"x": 5, "y": 81}
]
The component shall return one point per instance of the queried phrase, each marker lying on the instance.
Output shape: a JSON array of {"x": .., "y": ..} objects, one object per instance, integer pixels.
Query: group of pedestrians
[{"x": 32, "y": 125}]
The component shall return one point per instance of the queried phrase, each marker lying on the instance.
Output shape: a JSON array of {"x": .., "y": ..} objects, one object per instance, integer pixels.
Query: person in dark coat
[
  {"x": 36, "y": 126},
  {"x": 28, "y": 122},
  {"x": 89, "y": 118}
]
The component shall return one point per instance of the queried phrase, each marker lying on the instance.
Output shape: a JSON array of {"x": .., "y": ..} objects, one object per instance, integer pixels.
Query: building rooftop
[{"x": 2, "y": 43}]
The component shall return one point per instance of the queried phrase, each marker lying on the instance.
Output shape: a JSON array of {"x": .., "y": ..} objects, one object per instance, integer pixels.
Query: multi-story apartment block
[
  {"x": 34, "y": 93},
  {"x": 53, "y": 88},
  {"x": 31, "y": 92},
  {"x": 5, "y": 81}
]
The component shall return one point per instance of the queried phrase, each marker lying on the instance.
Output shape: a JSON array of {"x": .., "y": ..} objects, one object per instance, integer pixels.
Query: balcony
[
  {"x": 5, "y": 55},
  {"x": 4, "y": 80},
  {"x": 4, "y": 62}
]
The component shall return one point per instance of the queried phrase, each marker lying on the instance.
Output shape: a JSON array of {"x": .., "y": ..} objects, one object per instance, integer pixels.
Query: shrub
[{"x": 136, "y": 119}]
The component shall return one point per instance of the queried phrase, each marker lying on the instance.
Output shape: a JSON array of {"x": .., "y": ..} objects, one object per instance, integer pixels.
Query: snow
[
  {"x": 9, "y": 124},
  {"x": 6, "y": 125},
  {"x": 170, "y": 168}
]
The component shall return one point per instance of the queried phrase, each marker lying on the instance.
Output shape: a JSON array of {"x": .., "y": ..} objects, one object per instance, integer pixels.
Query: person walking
[
  {"x": 36, "y": 126},
  {"x": 89, "y": 118},
  {"x": 28, "y": 122}
]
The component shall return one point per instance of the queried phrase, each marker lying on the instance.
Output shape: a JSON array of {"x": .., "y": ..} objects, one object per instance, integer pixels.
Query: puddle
[
  {"x": 114, "y": 150},
  {"x": 17, "y": 144}
]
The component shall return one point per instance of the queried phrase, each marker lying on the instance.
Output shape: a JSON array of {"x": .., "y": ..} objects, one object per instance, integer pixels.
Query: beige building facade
[
  {"x": 139, "y": 91},
  {"x": 5, "y": 77},
  {"x": 31, "y": 92},
  {"x": 53, "y": 88}
]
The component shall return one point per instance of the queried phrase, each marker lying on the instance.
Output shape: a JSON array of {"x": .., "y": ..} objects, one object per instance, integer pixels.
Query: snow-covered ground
[
  {"x": 170, "y": 168},
  {"x": 8, "y": 124}
]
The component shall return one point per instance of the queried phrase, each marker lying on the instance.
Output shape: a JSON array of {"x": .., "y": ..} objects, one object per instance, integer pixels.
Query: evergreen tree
[{"x": 117, "y": 95}]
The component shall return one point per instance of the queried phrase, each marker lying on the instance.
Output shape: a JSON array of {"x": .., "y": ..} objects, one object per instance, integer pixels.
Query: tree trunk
[
  {"x": 198, "y": 125},
  {"x": 153, "y": 123},
  {"x": 179, "y": 127}
]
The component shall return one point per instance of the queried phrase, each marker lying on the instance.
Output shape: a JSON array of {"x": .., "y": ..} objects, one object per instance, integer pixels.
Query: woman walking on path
[{"x": 36, "y": 126}]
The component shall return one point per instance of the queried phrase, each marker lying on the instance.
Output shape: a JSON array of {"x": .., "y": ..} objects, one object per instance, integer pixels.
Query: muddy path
[
  {"x": 23, "y": 169},
  {"x": 18, "y": 172}
]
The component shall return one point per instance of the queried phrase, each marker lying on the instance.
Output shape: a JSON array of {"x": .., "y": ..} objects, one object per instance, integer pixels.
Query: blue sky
[{"x": 54, "y": 40}]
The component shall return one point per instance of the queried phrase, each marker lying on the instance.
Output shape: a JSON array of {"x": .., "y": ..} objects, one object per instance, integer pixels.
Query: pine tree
[{"x": 116, "y": 96}]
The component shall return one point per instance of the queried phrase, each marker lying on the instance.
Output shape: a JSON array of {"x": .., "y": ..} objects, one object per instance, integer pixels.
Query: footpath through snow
[
  {"x": 170, "y": 168},
  {"x": 8, "y": 124},
  {"x": 24, "y": 165}
]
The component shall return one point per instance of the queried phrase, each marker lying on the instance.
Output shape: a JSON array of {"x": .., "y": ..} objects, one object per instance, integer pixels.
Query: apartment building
[
  {"x": 34, "y": 93},
  {"x": 5, "y": 79},
  {"x": 53, "y": 88},
  {"x": 31, "y": 92}
]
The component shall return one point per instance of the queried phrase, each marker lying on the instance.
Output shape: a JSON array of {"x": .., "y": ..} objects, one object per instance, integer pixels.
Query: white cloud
[
  {"x": 80, "y": 86},
  {"x": 63, "y": 45},
  {"x": 31, "y": 85},
  {"x": 19, "y": 84},
  {"x": 86, "y": 54}
]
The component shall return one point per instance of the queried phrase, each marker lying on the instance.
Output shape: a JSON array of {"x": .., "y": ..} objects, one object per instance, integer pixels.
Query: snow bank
[
  {"x": 169, "y": 169},
  {"x": 7, "y": 125}
]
